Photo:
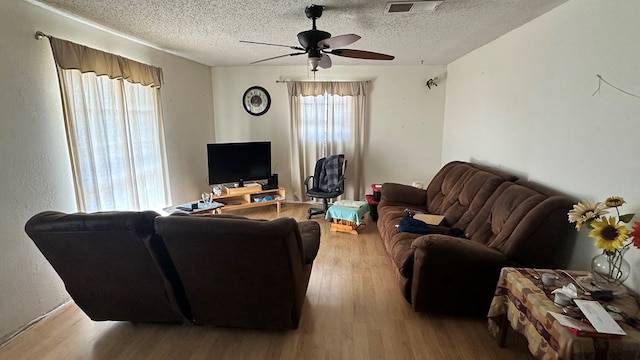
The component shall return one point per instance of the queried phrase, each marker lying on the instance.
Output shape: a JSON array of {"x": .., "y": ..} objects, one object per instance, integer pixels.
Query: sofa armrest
[
  {"x": 310, "y": 236},
  {"x": 454, "y": 275},
  {"x": 393, "y": 193}
]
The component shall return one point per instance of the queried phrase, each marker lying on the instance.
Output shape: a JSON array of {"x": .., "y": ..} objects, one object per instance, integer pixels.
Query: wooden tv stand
[{"x": 242, "y": 198}]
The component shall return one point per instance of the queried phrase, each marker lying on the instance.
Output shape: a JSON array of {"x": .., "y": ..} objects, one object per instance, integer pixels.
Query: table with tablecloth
[
  {"x": 522, "y": 301},
  {"x": 346, "y": 215}
]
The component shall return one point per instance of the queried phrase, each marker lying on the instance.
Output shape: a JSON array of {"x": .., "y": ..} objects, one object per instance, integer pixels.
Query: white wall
[
  {"x": 524, "y": 102},
  {"x": 35, "y": 167},
  {"x": 405, "y": 128}
]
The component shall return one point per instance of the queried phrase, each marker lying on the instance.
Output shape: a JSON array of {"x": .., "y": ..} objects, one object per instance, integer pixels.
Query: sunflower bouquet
[{"x": 611, "y": 234}]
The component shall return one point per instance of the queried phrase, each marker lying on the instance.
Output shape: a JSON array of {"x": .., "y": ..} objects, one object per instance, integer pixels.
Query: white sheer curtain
[
  {"x": 116, "y": 140},
  {"x": 327, "y": 118}
]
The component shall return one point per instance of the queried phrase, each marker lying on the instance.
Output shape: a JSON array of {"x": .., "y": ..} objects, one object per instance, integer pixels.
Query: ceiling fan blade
[
  {"x": 361, "y": 54},
  {"x": 325, "y": 61},
  {"x": 277, "y": 57},
  {"x": 263, "y": 43},
  {"x": 338, "y": 41}
]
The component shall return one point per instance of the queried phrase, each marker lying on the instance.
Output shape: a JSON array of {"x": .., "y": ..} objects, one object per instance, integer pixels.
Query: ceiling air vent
[{"x": 402, "y": 7}]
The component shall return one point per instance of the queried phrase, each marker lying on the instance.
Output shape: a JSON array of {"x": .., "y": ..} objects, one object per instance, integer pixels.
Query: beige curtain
[
  {"x": 113, "y": 119},
  {"x": 327, "y": 118},
  {"x": 69, "y": 55}
]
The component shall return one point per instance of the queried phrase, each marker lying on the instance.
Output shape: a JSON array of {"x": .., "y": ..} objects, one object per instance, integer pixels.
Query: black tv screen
[{"x": 232, "y": 162}]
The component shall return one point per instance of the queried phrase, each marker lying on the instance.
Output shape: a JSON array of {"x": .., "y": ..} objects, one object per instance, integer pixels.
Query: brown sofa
[
  {"x": 503, "y": 222},
  {"x": 219, "y": 269},
  {"x": 240, "y": 272}
]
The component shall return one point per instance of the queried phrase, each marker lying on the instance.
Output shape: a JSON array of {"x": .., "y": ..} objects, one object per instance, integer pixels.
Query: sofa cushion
[
  {"x": 510, "y": 207},
  {"x": 390, "y": 217},
  {"x": 512, "y": 222},
  {"x": 536, "y": 241},
  {"x": 241, "y": 272},
  {"x": 401, "y": 252},
  {"x": 495, "y": 213},
  {"x": 459, "y": 190}
]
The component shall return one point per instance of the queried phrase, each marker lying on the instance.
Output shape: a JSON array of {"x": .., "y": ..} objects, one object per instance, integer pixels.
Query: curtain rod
[
  {"x": 286, "y": 81},
  {"x": 40, "y": 35}
]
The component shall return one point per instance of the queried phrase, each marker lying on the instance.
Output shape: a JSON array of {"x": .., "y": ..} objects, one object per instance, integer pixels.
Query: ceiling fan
[{"x": 319, "y": 44}]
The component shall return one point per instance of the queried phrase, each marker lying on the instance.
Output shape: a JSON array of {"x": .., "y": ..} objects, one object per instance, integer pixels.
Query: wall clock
[{"x": 256, "y": 100}]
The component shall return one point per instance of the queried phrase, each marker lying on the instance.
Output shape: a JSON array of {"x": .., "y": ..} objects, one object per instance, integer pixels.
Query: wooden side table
[
  {"x": 522, "y": 301},
  {"x": 234, "y": 199}
]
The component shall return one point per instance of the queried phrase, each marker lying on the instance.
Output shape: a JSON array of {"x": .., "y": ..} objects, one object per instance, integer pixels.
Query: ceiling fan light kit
[
  {"x": 313, "y": 63},
  {"x": 318, "y": 45}
]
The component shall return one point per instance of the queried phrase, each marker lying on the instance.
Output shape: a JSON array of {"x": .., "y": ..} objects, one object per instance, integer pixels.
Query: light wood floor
[{"x": 354, "y": 310}]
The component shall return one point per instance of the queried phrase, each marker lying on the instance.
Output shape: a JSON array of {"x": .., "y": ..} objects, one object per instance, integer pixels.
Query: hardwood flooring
[{"x": 353, "y": 310}]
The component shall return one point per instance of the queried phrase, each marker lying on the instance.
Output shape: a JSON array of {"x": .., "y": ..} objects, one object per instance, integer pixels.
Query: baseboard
[{"x": 5, "y": 341}]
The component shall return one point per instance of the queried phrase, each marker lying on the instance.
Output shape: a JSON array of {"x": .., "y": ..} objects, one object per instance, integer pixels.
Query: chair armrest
[
  {"x": 393, "y": 193},
  {"x": 454, "y": 275},
  {"x": 306, "y": 182}
]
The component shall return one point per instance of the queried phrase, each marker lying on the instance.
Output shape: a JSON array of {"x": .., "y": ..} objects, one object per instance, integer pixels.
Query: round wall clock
[{"x": 256, "y": 100}]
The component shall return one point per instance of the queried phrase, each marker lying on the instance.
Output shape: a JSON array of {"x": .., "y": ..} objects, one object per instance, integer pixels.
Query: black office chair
[{"x": 328, "y": 182}]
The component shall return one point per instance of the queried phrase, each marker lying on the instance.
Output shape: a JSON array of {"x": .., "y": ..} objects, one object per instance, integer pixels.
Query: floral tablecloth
[{"x": 526, "y": 302}]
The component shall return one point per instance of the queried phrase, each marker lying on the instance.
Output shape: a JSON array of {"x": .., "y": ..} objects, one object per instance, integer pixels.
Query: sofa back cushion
[
  {"x": 525, "y": 222},
  {"x": 460, "y": 189},
  {"x": 238, "y": 272},
  {"x": 112, "y": 264}
]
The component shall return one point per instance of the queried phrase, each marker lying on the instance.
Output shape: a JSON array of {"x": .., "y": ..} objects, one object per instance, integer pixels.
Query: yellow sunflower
[
  {"x": 614, "y": 201},
  {"x": 608, "y": 234}
]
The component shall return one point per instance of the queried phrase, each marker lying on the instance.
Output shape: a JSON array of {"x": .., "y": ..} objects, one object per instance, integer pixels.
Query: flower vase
[{"x": 610, "y": 269}]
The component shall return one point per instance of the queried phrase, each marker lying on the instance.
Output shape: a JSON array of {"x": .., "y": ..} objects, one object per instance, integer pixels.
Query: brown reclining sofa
[
  {"x": 220, "y": 270},
  {"x": 498, "y": 221}
]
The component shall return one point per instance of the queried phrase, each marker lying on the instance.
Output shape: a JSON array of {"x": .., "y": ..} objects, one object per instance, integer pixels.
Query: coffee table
[
  {"x": 189, "y": 208},
  {"x": 522, "y": 301}
]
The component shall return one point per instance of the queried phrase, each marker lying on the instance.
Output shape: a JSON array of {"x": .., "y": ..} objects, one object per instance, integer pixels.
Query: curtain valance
[
  {"x": 315, "y": 88},
  {"x": 69, "y": 55}
]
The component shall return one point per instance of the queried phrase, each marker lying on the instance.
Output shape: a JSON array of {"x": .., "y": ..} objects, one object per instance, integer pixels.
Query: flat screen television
[{"x": 233, "y": 162}]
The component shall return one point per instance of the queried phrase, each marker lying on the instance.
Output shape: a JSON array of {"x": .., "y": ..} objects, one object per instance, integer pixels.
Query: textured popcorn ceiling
[{"x": 208, "y": 31}]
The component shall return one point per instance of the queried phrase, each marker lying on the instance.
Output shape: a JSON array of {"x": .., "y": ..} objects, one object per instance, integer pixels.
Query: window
[
  {"x": 325, "y": 119},
  {"x": 116, "y": 136},
  {"x": 114, "y": 129}
]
